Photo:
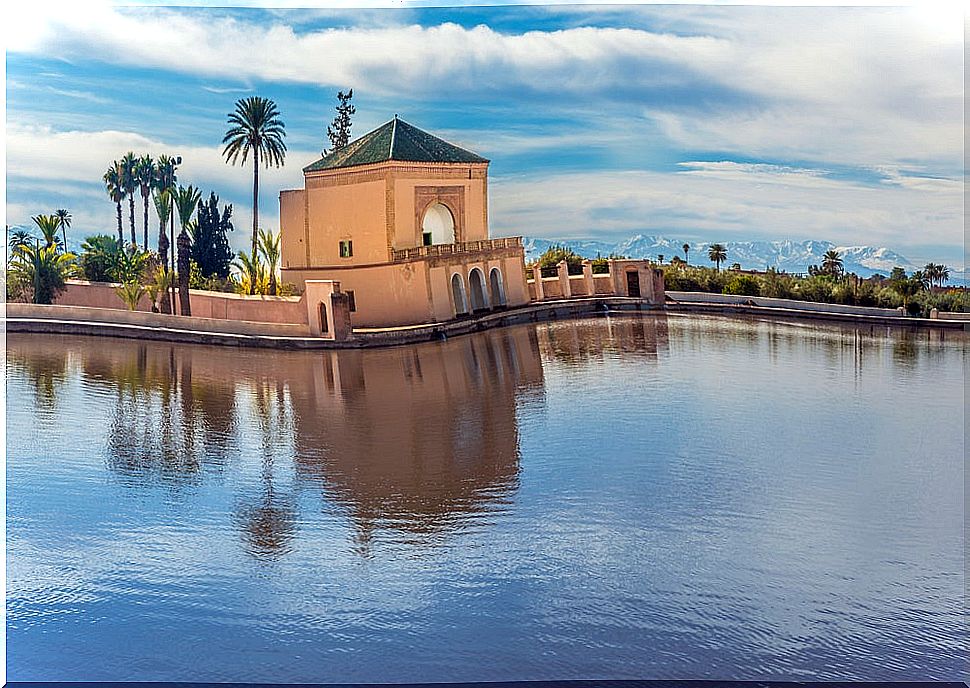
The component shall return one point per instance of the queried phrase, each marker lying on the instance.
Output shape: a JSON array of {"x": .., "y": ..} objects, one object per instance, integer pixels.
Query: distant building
[{"x": 400, "y": 219}]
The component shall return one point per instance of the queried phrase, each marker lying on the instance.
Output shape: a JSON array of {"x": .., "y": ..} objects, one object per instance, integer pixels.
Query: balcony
[{"x": 398, "y": 255}]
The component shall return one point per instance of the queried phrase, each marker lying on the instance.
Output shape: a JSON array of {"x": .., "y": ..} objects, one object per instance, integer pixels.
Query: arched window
[
  {"x": 497, "y": 287},
  {"x": 458, "y": 292},
  {"x": 438, "y": 226},
  {"x": 476, "y": 284}
]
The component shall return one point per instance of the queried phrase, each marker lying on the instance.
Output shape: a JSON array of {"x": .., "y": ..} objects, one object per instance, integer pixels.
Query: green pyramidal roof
[{"x": 396, "y": 140}]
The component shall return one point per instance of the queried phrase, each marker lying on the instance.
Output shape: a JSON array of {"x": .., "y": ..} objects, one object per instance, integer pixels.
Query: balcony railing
[{"x": 452, "y": 249}]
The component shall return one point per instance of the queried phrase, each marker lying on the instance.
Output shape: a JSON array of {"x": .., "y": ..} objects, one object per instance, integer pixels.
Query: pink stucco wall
[{"x": 205, "y": 304}]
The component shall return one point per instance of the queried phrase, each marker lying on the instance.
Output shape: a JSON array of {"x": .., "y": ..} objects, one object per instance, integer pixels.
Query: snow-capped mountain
[{"x": 789, "y": 256}]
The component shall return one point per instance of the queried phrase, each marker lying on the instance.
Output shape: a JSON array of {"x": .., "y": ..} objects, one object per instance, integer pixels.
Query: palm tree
[
  {"x": 920, "y": 279},
  {"x": 943, "y": 274},
  {"x": 163, "y": 208},
  {"x": 832, "y": 263},
  {"x": 686, "y": 248},
  {"x": 113, "y": 181},
  {"x": 252, "y": 273},
  {"x": 255, "y": 126},
  {"x": 717, "y": 254},
  {"x": 269, "y": 246},
  {"x": 145, "y": 173},
  {"x": 660, "y": 258},
  {"x": 48, "y": 225},
  {"x": 41, "y": 270},
  {"x": 64, "y": 219},
  {"x": 186, "y": 199},
  {"x": 18, "y": 239},
  {"x": 165, "y": 181},
  {"x": 129, "y": 180}
]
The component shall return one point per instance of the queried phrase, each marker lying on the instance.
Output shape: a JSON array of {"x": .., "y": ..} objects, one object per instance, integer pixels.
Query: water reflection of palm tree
[
  {"x": 46, "y": 374},
  {"x": 268, "y": 525}
]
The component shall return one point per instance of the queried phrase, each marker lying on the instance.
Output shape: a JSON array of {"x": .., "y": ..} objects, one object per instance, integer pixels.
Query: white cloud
[
  {"x": 851, "y": 85},
  {"x": 40, "y": 162},
  {"x": 728, "y": 201}
]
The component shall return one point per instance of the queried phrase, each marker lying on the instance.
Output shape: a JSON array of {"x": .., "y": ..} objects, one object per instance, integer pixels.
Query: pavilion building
[{"x": 400, "y": 219}]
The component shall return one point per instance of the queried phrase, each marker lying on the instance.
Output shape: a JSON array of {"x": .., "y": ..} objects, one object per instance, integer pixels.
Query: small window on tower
[
  {"x": 351, "y": 301},
  {"x": 427, "y": 238},
  {"x": 346, "y": 248}
]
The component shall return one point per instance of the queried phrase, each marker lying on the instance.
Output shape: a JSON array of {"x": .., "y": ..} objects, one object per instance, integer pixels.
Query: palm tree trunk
[
  {"x": 121, "y": 231},
  {"x": 163, "y": 245},
  {"x": 145, "y": 199},
  {"x": 64, "y": 235},
  {"x": 183, "y": 243},
  {"x": 172, "y": 232},
  {"x": 252, "y": 283},
  {"x": 131, "y": 218}
]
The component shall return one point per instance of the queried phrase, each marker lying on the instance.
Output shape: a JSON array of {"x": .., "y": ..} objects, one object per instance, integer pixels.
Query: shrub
[
  {"x": 37, "y": 274},
  {"x": 556, "y": 254},
  {"x": 816, "y": 288},
  {"x": 131, "y": 293},
  {"x": 99, "y": 258},
  {"x": 776, "y": 286},
  {"x": 745, "y": 285}
]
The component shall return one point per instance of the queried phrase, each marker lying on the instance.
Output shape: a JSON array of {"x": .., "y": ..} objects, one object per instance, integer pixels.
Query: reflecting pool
[{"x": 623, "y": 497}]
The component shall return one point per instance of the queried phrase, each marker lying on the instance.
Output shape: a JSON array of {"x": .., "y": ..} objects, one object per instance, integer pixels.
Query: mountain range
[{"x": 788, "y": 256}]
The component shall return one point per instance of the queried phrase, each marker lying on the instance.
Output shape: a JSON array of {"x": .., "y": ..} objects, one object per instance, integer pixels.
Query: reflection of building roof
[{"x": 396, "y": 140}]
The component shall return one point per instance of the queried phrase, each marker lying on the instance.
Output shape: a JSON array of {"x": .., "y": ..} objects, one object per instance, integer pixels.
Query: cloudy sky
[{"x": 699, "y": 123}]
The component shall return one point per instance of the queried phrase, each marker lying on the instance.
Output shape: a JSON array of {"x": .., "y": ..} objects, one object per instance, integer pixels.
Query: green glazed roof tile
[{"x": 396, "y": 140}]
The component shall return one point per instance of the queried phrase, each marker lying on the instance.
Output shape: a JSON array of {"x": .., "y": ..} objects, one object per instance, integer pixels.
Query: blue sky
[{"x": 700, "y": 123}]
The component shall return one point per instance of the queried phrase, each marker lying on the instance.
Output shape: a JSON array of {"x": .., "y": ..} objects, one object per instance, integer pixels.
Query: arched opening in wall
[
  {"x": 476, "y": 283},
  {"x": 497, "y": 287},
  {"x": 458, "y": 292},
  {"x": 438, "y": 226}
]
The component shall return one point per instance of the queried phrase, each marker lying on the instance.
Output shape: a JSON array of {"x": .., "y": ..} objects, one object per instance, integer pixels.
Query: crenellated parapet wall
[{"x": 633, "y": 278}]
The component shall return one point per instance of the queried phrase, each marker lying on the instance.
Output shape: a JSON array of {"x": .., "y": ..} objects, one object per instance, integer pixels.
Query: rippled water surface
[{"x": 676, "y": 497}]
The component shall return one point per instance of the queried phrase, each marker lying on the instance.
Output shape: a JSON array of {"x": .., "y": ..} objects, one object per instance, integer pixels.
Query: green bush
[
  {"x": 37, "y": 274},
  {"x": 776, "y": 286},
  {"x": 744, "y": 285},
  {"x": 99, "y": 258}
]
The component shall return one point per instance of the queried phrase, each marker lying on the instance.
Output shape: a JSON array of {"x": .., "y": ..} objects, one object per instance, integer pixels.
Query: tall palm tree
[
  {"x": 186, "y": 200},
  {"x": 165, "y": 180},
  {"x": 943, "y": 274},
  {"x": 255, "y": 127},
  {"x": 686, "y": 248},
  {"x": 717, "y": 254},
  {"x": 145, "y": 173},
  {"x": 64, "y": 219},
  {"x": 269, "y": 246},
  {"x": 48, "y": 225},
  {"x": 129, "y": 180},
  {"x": 163, "y": 208},
  {"x": 116, "y": 192},
  {"x": 832, "y": 263}
]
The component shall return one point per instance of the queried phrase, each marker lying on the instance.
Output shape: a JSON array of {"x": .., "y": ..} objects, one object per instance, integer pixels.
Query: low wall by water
[
  {"x": 144, "y": 319},
  {"x": 205, "y": 304},
  {"x": 764, "y": 302}
]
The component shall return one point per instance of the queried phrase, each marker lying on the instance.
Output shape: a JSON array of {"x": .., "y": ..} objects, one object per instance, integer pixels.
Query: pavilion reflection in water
[{"x": 419, "y": 438}]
